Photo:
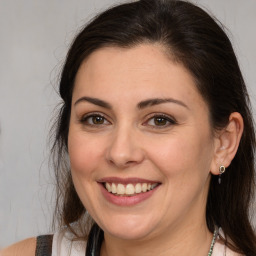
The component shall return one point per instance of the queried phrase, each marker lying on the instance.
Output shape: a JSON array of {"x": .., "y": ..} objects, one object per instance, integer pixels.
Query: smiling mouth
[{"x": 120, "y": 189}]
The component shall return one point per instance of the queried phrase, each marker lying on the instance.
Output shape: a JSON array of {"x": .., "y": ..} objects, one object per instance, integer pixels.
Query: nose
[{"x": 125, "y": 149}]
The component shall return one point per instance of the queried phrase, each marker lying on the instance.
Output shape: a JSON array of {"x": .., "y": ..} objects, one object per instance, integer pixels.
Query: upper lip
[{"x": 131, "y": 180}]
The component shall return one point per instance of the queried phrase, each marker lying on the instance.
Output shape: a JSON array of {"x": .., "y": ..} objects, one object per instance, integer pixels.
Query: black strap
[
  {"x": 94, "y": 241},
  {"x": 44, "y": 245}
]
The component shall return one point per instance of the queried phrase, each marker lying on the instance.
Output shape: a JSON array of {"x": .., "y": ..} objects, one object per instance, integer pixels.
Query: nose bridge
[{"x": 124, "y": 149}]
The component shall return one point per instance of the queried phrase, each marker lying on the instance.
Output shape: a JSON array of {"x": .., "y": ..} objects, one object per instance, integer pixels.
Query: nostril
[
  {"x": 122, "y": 164},
  {"x": 124, "y": 149}
]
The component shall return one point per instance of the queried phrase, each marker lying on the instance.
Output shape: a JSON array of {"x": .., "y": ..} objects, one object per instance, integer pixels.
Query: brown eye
[
  {"x": 94, "y": 120},
  {"x": 160, "y": 121},
  {"x": 98, "y": 120}
]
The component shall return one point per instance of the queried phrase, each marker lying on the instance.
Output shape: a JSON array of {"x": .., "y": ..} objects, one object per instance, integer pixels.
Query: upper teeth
[{"x": 129, "y": 189}]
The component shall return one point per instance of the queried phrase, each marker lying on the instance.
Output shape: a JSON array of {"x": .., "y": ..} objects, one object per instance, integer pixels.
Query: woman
[{"x": 154, "y": 146}]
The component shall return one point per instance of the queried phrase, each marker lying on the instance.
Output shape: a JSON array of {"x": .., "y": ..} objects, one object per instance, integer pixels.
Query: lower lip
[{"x": 126, "y": 200}]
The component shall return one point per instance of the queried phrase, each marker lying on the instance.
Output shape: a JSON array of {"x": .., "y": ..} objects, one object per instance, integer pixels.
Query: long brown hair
[{"x": 199, "y": 42}]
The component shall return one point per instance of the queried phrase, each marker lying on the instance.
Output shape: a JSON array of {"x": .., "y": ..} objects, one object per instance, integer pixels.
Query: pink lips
[
  {"x": 126, "y": 200},
  {"x": 126, "y": 180}
]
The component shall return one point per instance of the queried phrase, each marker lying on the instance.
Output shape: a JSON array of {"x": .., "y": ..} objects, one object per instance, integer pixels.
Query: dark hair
[{"x": 196, "y": 40}]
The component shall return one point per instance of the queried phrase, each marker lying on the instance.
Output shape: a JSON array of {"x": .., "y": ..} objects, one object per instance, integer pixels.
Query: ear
[{"x": 226, "y": 142}]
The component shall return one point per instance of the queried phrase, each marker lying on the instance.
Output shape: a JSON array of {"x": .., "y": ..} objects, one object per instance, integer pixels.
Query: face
[{"x": 140, "y": 142}]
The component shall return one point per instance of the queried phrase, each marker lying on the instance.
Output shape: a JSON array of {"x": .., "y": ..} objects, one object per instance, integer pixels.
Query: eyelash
[
  {"x": 84, "y": 119},
  {"x": 169, "y": 120}
]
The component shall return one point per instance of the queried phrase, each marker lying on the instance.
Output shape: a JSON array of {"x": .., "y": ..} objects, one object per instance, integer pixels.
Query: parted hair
[{"x": 193, "y": 38}]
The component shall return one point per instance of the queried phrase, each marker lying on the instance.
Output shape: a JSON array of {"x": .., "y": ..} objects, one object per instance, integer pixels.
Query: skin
[
  {"x": 129, "y": 143},
  {"x": 180, "y": 152},
  {"x": 26, "y": 247}
]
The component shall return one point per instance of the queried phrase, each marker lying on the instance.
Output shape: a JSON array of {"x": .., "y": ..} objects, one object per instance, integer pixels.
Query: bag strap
[{"x": 44, "y": 245}]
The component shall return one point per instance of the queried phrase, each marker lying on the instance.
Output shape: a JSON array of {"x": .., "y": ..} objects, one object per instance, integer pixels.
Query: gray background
[{"x": 34, "y": 36}]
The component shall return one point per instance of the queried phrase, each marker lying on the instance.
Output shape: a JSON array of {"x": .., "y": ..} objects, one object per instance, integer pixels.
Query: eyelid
[
  {"x": 170, "y": 119},
  {"x": 93, "y": 114}
]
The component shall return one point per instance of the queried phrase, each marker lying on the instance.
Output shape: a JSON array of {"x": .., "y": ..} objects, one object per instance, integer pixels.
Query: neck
[{"x": 196, "y": 238}]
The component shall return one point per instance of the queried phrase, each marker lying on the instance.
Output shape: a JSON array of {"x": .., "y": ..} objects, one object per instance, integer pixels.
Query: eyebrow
[
  {"x": 140, "y": 105},
  {"x": 157, "y": 101},
  {"x": 94, "y": 101}
]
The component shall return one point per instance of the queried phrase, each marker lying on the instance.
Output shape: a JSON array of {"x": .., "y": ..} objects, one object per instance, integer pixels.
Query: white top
[{"x": 63, "y": 246}]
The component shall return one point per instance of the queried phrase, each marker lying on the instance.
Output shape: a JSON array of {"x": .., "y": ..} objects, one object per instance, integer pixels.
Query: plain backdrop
[{"x": 34, "y": 38}]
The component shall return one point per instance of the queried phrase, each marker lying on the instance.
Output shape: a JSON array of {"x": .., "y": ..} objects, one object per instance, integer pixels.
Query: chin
[
  {"x": 130, "y": 234},
  {"x": 130, "y": 228}
]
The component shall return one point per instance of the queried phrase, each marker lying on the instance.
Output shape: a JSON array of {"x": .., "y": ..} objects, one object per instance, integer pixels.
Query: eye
[
  {"x": 160, "y": 121},
  {"x": 94, "y": 120}
]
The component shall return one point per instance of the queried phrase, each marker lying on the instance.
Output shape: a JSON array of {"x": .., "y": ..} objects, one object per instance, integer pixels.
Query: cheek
[
  {"x": 84, "y": 154},
  {"x": 187, "y": 155}
]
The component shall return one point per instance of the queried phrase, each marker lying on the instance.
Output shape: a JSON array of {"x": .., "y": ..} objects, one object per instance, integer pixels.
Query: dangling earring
[{"x": 222, "y": 169}]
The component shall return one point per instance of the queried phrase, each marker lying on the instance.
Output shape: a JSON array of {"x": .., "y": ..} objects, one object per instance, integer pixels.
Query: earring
[{"x": 222, "y": 169}]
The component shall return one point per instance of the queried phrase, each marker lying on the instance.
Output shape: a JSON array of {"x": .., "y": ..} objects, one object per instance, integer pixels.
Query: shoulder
[
  {"x": 221, "y": 249},
  {"x": 26, "y": 247}
]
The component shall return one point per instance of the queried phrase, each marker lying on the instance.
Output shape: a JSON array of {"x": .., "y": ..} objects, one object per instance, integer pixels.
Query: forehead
[{"x": 138, "y": 72}]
